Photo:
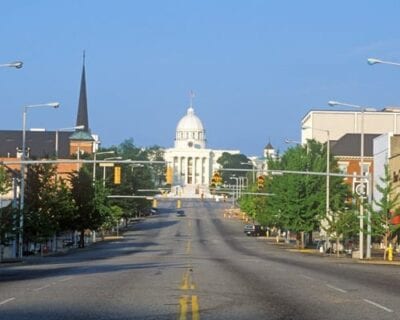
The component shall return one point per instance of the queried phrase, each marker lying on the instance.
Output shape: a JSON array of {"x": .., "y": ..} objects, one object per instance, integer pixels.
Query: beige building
[
  {"x": 341, "y": 122},
  {"x": 386, "y": 152}
]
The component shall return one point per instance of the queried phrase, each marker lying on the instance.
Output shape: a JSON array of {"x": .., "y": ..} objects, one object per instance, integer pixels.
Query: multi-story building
[
  {"x": 338, "y": 123},
  {"x": 347, "y": 152},
  {"x": 386, "y": 153}
]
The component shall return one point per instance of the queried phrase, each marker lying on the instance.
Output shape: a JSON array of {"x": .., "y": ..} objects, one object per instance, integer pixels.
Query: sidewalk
[
  {"x": 37, "y": 258},
  {"x": 377, "y": 256}
]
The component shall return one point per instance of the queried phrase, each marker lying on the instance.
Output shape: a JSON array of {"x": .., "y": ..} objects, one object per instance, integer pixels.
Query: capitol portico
[{"x": 191, "y": 163}]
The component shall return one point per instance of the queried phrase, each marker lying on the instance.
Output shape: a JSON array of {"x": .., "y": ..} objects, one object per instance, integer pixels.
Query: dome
[
  {"x": 190, "y": 122},
  {"x": 190, "y": 132}
]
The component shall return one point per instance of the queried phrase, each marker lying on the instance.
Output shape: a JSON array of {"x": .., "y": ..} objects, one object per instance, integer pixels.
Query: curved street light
[
  {"x": 95, "y": 154},
  {"x": 361, "y": 235},
  {"x": 291, "y": 141},
  {"x": 15, "y": 64},
  {"x": 372, "y": 61},
  {"x": 23, "y": 158}
]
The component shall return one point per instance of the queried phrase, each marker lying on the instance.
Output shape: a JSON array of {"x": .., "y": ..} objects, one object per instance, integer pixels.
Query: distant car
[
  {"x": 180, "y": 213},
  {"x": 254, "y": 230}
]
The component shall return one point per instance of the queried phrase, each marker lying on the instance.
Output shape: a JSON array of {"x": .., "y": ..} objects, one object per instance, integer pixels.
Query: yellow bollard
[
  {"x": 178, "y": 204},
  {"x": 154, "y": 203},
  {"x": 390, "y": 252}
]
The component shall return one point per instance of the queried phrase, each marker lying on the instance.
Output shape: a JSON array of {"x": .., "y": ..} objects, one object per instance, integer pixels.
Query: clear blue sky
[{"x": 257, "y": 67}]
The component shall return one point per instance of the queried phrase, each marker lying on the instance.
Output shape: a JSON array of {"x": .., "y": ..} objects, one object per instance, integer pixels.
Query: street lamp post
[
  {"x": 94, "y": 161},
  {"x": 363, "y": 181},
  {"x": 236, "y": 189},
  {"x": 241, "y": 186},
  {"x": 254, "y": 167},
  {"x": 328, "y": 150},
  {"x": 15, "y": 64},
  {"x": 61, "y": 129},
  {"x": 372, "y": 61},
  {"x": 291, "y": 141},
  {"x": 288, "y": 141},
  {"x": 23, "y": 158}
]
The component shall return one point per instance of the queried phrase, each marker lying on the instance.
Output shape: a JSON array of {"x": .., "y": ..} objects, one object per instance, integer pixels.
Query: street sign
[
  {"x": 361, "y": 189},
  {"x": 106, "y": 164}
]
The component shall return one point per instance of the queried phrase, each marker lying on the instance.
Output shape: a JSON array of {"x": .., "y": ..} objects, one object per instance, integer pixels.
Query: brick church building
[{"x": 41, "y": 144}]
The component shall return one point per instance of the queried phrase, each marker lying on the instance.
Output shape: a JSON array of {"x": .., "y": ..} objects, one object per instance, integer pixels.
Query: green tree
[
  {"x": 384, "y": 210},
  {"x": 255, "y": 207},
  {"x": 112, "y": 220},
  {"x": 6, "y": 215},
  {"x": 299, "y": 200},
  {"x": 233, "y": 161},
  {"x": 41, "y": 207},
  {"x": 91, "y": 204},
  {"x": 156, "y": 153},
  {"x": 64, "y": 207},
  {"x": 135, "y": 177}
]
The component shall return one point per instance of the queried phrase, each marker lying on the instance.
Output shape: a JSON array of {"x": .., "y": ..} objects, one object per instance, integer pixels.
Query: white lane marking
[
  {"x": 41, "y": 288},
  {"x": 6, "y": 301},
  {"x": 336, "y": 288},
  {"x": 378, "y": 305},
  {"x": 307, "y": 277},
  {"x": 65, "y": 279}
]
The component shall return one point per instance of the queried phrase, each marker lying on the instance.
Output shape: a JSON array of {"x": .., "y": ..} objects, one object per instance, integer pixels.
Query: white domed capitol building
[{"x": 191, "y": 162}]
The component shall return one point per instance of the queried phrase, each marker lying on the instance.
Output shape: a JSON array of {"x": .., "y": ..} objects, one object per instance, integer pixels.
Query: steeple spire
[{"x": 82, "y": 118}]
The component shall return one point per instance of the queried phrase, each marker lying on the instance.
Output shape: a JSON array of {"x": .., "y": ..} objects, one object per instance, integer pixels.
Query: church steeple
[
  {"x": 82, "y": 118},
  {"x": 81, "y": 140}
]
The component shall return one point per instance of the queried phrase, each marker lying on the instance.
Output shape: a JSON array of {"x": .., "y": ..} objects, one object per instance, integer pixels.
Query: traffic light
[
  {"x": 117, "y": 175},
  {"x": 260, "y": 182},
  {"x": 216, "y": 180}
]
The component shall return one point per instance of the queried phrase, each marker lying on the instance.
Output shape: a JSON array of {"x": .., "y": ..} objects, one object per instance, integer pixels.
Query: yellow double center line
[{"x": 186, "y": 301}]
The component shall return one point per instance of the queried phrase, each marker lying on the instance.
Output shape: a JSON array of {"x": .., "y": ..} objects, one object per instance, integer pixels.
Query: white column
[
  {"x": 205, "y": 170},
  {"x": 207, "y": 177},
  {"x": 201, "y": 172},
  {"x": 194, "y": 170},
  {"x": 180, "y": 159},
  {"x": 186, "y": 170},
  {"x": 198, "y": 170}
]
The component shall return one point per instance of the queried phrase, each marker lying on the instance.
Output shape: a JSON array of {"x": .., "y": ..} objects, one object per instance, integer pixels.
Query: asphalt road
[{"x": 200, "y": 266}]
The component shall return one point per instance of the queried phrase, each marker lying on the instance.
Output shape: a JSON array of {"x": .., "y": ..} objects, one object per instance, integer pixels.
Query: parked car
[
  {"x": 180, "y": 213},
  {"x": 254, "y": 230}
]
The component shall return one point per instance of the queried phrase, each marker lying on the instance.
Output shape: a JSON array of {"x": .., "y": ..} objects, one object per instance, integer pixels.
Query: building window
[
  {"x": 343, "y": 167},
  {"x": 365, "y": 168}
]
